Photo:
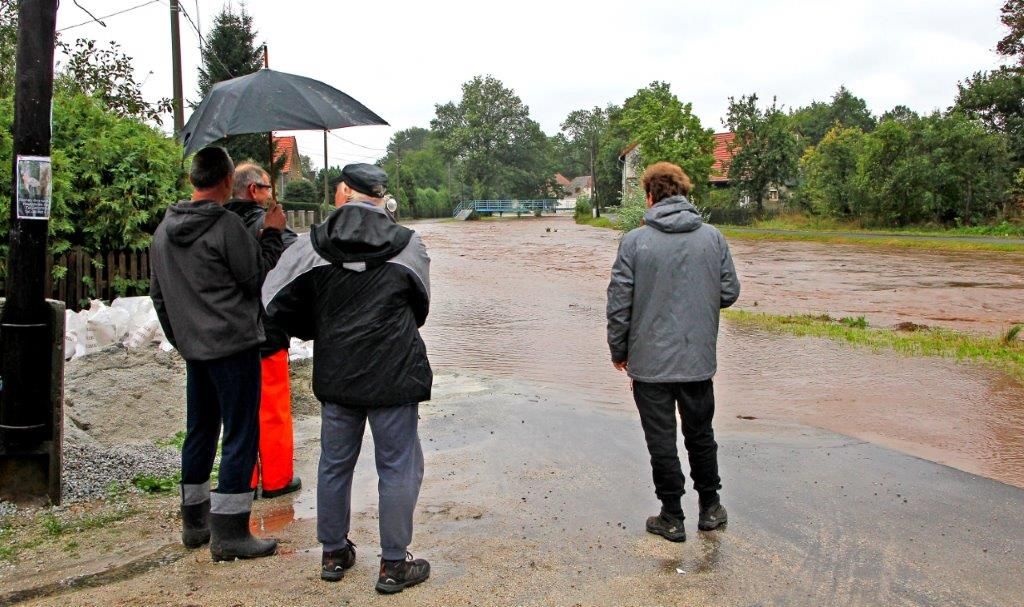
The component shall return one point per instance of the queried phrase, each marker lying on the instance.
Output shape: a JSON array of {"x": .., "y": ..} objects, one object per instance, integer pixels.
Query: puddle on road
[{"x": 513, "y": 300}]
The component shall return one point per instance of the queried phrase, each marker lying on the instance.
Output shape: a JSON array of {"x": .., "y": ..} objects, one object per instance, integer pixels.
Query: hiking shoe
[
  {"x": 667, "y": 526},
  {"x": 294, "y": 485},
  {"x": 712, "y": 517},
  {"x": 396, "y": 576},
  {"x": 335, "y": 562}
]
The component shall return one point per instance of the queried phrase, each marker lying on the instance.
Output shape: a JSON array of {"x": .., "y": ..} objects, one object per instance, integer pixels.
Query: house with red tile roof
[
  {"x": 287, "y": 149},
  {"x": 630, "y": 159}
]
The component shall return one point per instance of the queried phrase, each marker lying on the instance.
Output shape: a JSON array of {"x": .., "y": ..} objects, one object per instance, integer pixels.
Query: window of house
[{"x": 773, "y": 194}]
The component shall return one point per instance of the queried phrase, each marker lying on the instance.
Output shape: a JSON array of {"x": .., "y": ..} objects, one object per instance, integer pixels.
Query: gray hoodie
[
  {"x": 207, "y": 271},
  {"x": 669, "y": 281}
]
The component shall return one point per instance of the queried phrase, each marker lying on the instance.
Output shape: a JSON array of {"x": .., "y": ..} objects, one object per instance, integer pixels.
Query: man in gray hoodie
[
  {"x": 671, "y": 278},
  {"x": 207, "y": 271}
]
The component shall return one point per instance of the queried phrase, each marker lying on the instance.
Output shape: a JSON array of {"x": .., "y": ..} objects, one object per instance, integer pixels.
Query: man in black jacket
[
  {"x": 358, "y": 285},
  {"x": 251, "y": 196},
  {"x": 205, "y": 283}
]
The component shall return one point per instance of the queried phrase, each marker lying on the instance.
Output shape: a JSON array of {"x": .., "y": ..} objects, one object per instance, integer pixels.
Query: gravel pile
[{"x": 91, "y": 470}]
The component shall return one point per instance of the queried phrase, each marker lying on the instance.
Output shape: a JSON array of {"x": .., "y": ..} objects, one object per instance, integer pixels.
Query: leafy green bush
[
  {"x": 301, "y": 190},
  {"x": 112, "y": 177},
  {"x": 631, "y": 212},
  {"x": 583, "y": 208}
]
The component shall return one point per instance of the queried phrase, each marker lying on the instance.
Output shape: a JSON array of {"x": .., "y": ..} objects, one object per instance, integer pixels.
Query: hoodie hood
[
  {"x": 188, "y": 220},
  {"x": 673, "y": 215},
  {"x": 359, "y": 232}
]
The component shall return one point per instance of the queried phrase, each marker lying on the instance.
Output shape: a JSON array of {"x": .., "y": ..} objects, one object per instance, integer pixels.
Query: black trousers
[
  {"x": 222, "y": 391},
  {"x": 657, "y": 405}
]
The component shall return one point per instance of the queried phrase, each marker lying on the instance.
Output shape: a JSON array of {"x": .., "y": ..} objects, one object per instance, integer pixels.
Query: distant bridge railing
[{"x": 544, "y": 205}]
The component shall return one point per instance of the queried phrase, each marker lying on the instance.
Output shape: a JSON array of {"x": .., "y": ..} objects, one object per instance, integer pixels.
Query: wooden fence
[
  {"x": 116, "y": 274},
  {"x": 95, "y": 276}
]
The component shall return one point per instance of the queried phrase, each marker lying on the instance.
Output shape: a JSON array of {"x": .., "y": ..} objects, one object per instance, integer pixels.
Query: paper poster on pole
[{"x": 35, "y": 187}]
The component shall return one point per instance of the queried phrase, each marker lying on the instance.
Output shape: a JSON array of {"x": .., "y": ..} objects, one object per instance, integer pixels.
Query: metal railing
[{"x": 506, "y": 206}]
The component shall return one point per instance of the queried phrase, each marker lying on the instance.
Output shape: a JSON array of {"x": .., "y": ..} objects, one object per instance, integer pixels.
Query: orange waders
[{"x": 276, "y": 440}]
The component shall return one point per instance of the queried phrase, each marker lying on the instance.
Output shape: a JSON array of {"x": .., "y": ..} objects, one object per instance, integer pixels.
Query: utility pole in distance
[
  {"x": 179, "y": 101},
  {"x": 32, "y": 363}
]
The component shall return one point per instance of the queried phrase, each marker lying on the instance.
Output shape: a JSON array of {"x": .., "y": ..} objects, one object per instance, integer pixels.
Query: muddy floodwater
[{"x": 525, "y": 299}]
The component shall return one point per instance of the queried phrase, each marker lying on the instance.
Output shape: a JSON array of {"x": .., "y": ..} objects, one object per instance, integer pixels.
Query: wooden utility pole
[
  {"x": 179, "y": 110},
  {"x": 31, "y": 367},
  {"x": 327, "y": 194}
]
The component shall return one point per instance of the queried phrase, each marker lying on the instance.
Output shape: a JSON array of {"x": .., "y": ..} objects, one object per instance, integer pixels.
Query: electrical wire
[
  {"x": 99, "y": 20},
  {"x": 365, "y": 147}
]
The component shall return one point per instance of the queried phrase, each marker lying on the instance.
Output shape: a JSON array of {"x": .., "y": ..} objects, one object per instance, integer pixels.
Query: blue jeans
[
  {"x": 399, "y": 461},
  {"x": 222, "y": 391}
]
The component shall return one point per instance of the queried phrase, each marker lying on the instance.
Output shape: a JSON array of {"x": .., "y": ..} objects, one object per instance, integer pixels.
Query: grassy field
[
  {"x": 1005, "y": 353},
  {"x": 876, "y": 239}
]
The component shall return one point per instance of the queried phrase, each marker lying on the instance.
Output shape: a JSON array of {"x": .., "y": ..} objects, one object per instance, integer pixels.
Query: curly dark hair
[{"x": 664, "y": 179}]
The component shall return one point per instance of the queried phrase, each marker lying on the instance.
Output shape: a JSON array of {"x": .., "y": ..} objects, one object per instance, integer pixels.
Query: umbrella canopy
[{"x": 267, "y": 101}]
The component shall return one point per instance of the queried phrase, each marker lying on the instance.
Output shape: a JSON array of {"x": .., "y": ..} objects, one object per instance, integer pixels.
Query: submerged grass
[
  {"x": 999, "y": 352},
  {"x": 874, "y": 239}
]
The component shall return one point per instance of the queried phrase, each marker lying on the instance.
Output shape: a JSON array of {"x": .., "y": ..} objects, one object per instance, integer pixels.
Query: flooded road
[{"x": 525, "y": 299}]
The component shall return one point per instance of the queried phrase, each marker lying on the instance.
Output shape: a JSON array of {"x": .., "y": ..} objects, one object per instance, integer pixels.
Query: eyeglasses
[{"x": 264, "y": 186}]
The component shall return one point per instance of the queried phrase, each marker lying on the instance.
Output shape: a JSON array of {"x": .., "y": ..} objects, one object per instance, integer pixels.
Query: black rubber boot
[
  {"x": 230, "y": 538},
  {"x": 396, "y": 576},
  {"x": 195, "y": 524}
]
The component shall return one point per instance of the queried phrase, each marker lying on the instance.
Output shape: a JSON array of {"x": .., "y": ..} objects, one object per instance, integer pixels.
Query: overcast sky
[{"x": 402, "y": 58}]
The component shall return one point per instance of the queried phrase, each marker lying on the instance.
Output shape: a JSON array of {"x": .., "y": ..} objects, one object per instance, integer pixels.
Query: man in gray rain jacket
[
  {"x": 359, "y": 286},
  {"x": 671, "y": 278}
]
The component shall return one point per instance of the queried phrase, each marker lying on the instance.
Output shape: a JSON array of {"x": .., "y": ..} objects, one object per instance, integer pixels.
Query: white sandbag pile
[{"x": 132, "y": 322}]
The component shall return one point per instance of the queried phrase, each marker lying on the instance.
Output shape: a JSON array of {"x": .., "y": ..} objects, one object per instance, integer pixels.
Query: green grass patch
[
  {"x": 54, "y": 527},
  {"x": 157, "y": 484},
  {"x": 875, "y": 241},
  {"x": 597, "y": 222},
  {"x": 1000, "y": 352},
  {"x": 177, "y": 441},
  {"x": 801, "y": 222}
]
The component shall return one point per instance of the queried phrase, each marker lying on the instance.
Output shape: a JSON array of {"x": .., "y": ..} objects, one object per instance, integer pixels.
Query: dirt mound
[{"x": 120, "y": 396}]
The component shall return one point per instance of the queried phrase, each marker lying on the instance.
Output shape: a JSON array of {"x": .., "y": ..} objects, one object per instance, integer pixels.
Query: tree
[
  {"x": 230, "y": 51},
  {"x": 996, "y": 98},
  {"x": 1012, "y": 45},
  {"x": 584, "y": 129},
  {"x": 765, "y": 152},
  {"x": 667, "y": 130},
  {"x": 417, "y": 173},
  {"x": 845, "y": 109},
  {"x": 8, "y": 46},
  {"x": 108, "y": 75},
  {"x": 498, "y": 150},
  {"x": 829, "y": 171}
]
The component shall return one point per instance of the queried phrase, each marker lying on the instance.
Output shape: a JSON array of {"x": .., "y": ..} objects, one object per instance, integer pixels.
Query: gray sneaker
[
  {"x": 667, "y": 526},
  {"x": 712, "y": 517}
]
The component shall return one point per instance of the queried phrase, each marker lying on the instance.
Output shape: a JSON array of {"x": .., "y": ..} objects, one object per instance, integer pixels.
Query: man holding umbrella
[{"x": 251, "y": 194}]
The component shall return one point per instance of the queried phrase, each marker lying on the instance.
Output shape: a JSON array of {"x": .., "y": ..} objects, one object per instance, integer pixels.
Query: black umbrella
[{"x": 266, "y": 101}]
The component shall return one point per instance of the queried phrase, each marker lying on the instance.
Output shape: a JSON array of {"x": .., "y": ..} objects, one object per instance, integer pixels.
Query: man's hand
[
  {"x": 275, "y": 216},
  {"x": 621, "y": 366}
]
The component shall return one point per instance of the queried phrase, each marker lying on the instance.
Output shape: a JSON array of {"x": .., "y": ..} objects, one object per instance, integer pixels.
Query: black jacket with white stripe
[{"x": 359, "y": 286}]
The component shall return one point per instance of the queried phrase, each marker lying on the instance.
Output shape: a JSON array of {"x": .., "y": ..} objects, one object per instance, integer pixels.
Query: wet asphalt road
[{"x": 534, "y": 497}]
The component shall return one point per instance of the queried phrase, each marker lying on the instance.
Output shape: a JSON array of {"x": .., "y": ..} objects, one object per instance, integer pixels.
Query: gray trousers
[{"x": 399, "y": 459}]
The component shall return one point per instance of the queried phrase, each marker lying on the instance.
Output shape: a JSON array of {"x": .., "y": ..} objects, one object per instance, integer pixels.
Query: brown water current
[{"x": 525, "y": 299}]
